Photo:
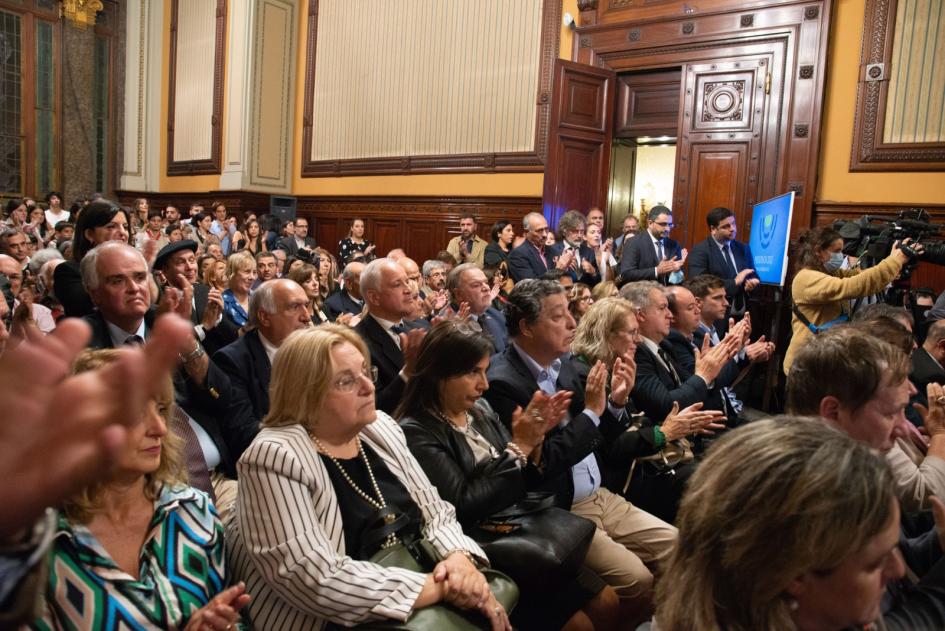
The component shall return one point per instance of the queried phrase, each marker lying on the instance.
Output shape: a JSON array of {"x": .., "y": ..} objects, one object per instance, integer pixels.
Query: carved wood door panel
[
  {"x": 727, "y": 149},
  {"x": 582, "y": 119}
]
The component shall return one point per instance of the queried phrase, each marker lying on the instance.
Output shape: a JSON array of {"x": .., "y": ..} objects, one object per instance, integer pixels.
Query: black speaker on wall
[{"x": 283, "y": 207}]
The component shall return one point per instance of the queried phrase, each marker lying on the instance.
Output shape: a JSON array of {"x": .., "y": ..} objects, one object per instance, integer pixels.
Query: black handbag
[{"x": 538, "y": 544}]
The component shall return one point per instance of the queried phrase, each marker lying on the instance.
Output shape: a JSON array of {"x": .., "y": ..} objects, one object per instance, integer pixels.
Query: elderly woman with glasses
[{"x": 326, "y": 485}]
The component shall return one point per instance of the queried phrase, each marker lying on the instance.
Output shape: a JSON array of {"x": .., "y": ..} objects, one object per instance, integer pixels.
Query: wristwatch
[{"x": 197, "y": 353}]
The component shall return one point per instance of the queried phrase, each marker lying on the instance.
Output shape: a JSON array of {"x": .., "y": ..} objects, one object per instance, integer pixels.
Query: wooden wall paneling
[
  {"x": 647, "y": 104},
  {"x": 578, "y": 168},
  {"x": 718, "y": 172},
  {"x": 211, "y": 165}
]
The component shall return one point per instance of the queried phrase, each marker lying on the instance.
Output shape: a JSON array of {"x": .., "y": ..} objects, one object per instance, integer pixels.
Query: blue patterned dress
[
  {"x": 182, "y": 566},
  {"x": 233, "y": 308}
]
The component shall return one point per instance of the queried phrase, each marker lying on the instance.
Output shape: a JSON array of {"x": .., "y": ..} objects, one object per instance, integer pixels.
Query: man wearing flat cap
[{"x": 176, "y": 265}]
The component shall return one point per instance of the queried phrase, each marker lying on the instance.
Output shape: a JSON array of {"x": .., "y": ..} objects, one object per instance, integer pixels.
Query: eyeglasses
[
  {"x": 663, "y": 224},
  {"x": 348, "y": 382}
]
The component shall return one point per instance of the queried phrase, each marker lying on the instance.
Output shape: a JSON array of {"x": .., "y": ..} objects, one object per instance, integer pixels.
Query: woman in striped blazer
[{"x": 322, "y": 472}]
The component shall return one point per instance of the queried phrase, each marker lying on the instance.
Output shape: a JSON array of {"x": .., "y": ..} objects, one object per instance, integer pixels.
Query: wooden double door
[{"x": 730, "y": 134}]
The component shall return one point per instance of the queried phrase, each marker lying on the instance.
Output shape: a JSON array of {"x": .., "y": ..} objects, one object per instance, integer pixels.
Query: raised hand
[
  {"x": 410, "y": 347},
  {"x": 692, "y": 420},
  {"x": 222, "y": 612},
  {"x": 595, "y": 391},
  {"x": 622, "y": 377}
]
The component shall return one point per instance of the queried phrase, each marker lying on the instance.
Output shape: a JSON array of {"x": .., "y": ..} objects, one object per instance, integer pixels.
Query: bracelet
[
  {"x": 518, "y": 453},
  {"x": 462, "y": 551},
  {"x": 197, "y": 353}
]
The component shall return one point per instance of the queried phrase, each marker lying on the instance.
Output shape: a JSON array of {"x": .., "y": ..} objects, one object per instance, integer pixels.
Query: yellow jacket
[{"x": 823, "y": 297}]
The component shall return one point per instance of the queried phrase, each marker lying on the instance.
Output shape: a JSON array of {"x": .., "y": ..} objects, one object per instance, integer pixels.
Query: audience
[
  {"x": 468, "y": 246},
  {"x": 570, "y": 253},
  {"x": 321, "y": 475},
  {"x": 468, "y": 286},
  {"x": 307, "y": 277},
  {"x": 497, "y": 251},
  {"x": 355, "y": 242},
  {"x": 628, "y": 541},
  {"x": 240, "y": 274},
  {"x": 528, "y": 260},
  {"x": 347, "y": 302},
  {"x": 652, "y": 255}
]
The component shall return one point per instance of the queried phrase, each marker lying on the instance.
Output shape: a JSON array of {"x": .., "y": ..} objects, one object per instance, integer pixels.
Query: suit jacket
[
  {"x": 340, "y": 302},
  {"x": 706, "y": 258},
  {"x": 291, "y": 247},
  {"x": 493, "y": 322},
  {"x": 925, "y": 370},
  {"x": 654, "y": 390},
  {"x": 511, "y": 385},
  {"x": 638, "y": 260},
  {"x": 226, "y": 332},
  {"x": 682, "y": 351},
  {"x": 286, "y": 537},
  {"x": 477, "y": 490},
  {"x": 526, "y": 262},
  {"x": 388, "y": 359},
  {"x": 247, "y": 372},
  {"x": 494, "y": 255},
  {"x": 577, "y": 275},
  {"x": 70, "y": 291},
  {"x": 205, "y": 404}
]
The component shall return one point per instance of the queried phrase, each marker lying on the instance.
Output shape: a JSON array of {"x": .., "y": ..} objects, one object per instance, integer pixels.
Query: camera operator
[{"x": 821, "y": 290}]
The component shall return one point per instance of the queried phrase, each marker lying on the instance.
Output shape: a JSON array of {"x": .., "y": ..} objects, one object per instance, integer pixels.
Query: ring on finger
[{"x": 940, "y": 400}]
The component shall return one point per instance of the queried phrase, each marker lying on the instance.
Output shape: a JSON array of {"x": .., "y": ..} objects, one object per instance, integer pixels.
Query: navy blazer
[
  {"x": 512, "y": 385},
  {"x": 340, "y": 302},
  {"x": 683, "y": 351},
  {"x": 526, "y": 262},
  {"x": 247, "y": 370},
  {"x": 493, "y": 322},
  {"x": 638, "y": 260},
  {"x": 387, "y": 358},
  {"x": 579, "y": 275},
  {"x": 706, "y": 258},
  {"x": 654, "y": 390}
]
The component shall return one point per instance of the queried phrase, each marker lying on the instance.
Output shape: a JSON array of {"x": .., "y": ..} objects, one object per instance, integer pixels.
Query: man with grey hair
[
  {"x": 276, "y": 309},
  {"x": 116, "y": 277},
  {"x": 467, "y": 284},
  {"x": 662, "y": 379},
  {"x": 348, "y": 299},
  {"x": 27, "y": 314},
  {"x": 41, "y": 258},
  {"x": 392, "y": 340},
  {"x": 528, "y": 260},
  {"x": 580, "y": 261}
]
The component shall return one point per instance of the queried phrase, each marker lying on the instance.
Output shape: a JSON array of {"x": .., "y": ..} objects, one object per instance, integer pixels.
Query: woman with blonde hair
[
  {"x": 327, "y": 272},
  {"x": 789, "y": 524},
  {"x": 326, "y": 485},
  {"x": 143, "y": 546},
  {"x": 240, "y": 274},
  {"x": 605, "y": 289},
  {"x": 307, "y": 276},
  {"x": 608, "y": 333}
]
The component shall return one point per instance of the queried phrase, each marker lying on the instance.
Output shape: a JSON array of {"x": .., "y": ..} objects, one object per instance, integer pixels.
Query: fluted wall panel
[{"x": 193, "y": 80}]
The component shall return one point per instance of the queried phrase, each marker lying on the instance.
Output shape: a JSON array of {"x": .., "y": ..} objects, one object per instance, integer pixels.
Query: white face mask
[{"x": 835, "y": 262}]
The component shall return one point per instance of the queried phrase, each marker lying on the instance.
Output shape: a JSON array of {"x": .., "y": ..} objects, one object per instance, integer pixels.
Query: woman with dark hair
[
  {"x": 253, "y": 240},
  {"x": 139, "y": 213},
  {"x": 481, "y": 468},
  {"x": 307, "y": 276},
  {"x": 15, "y": 215},
  {"x": 100, "y": 221},
  {"x": 327, "y": 272},
  {"x": 355, "y": 242},
  {"x": 201, "y": 224},
  {"x": 36, "y": 224},
  {"x": 497, "y": 252},
  {"x": 821, "y": 290}
]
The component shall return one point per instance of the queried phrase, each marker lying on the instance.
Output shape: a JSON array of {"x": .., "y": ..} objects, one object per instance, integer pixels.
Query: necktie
[
  {"x": 397, "y": 329},
  {"x": 727, "y": 253},
  {"x": 133, "y": 340},
  {"x": 669, "y": 365},
  {"x": 659, "y": 249}
]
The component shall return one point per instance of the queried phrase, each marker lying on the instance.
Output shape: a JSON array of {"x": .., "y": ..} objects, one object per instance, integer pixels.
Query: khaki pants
[{"x": 626, "y": 541}]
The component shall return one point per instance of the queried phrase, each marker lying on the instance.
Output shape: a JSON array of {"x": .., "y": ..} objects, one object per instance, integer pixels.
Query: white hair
[{"x": 89, "y": 264}]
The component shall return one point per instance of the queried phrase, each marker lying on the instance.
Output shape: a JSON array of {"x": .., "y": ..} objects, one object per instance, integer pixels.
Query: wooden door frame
[{"x": 666, "y": 35}]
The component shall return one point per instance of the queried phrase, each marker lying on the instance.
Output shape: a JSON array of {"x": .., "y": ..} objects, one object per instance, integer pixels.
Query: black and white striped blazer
[{"x": 285, "y": 538}]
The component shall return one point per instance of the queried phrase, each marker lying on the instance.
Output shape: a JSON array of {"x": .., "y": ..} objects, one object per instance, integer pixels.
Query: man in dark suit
[
  {"x": 721, "y": 255},
  {"x": 661, "y": 378},
  {"x": 298, "y": 239},
  {"x": 116, "y": 277},
  {"x": 528, "y": 260},
  {"x": 581, "y": 260},
  {"x": 541, "y": 330},
  {"x": 928, "y": 361},
  {"x": 392, "y": 341},
  {"x": 468, "y": 284},
  {"x": 247, "y": 362},
  {"x": 348, "y": 298},
  {"x": 176, "y": 264},
  {"x": 652, "y": 255}
]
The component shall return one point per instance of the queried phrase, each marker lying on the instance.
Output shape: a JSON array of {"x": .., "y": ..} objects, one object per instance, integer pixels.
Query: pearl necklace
[
  {"x": 462, "y": 430},
  {"x": 380, "y": 503}
]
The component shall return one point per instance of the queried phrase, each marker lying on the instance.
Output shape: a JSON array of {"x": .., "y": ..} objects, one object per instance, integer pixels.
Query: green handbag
[{"x": 441, "y": 616}]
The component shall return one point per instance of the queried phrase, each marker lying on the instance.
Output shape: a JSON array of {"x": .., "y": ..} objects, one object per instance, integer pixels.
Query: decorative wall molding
[
  {"x": 869, "y": 152},
  {"x": 210, "y": 164}
]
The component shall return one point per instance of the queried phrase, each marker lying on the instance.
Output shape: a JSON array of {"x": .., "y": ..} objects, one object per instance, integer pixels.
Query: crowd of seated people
[{"x": 220, "y": 424}]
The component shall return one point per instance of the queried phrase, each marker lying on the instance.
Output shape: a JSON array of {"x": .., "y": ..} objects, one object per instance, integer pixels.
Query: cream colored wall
[{"x": 836, "y": 182}]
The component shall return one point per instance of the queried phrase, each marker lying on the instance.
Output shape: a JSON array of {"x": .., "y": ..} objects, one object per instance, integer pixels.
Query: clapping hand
[
  {"x": 222, "y": 612},
  {"x": 692, "y": 420},
  {"x": 622, "y": 378}
]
